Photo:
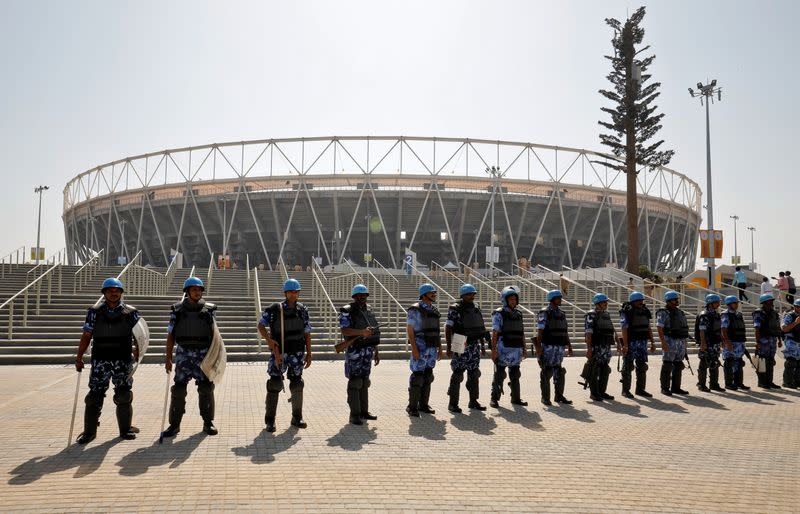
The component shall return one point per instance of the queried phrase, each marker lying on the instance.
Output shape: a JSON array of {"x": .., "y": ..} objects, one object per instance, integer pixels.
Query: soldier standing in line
[
  {"x": 634, "y": 319},
  {"x": 552, "y": 342},
  {"x": 732, "y": 328},
  {"x": 710, "y": 332},
  {"x": 358, "y": 323},
  {"x": 289, "y": 338},
  {"x": 768, "y": 333},
  {"x": 465, "y": 318},
  {"x": 109, "y": 329},
  {"x": 191, "y": 326},
  {"x": 508, "y": 347},
  {"x": 424, "y": 338},
  {"x": 600, "y": 336},
  {"x": 673, "y": 329}
]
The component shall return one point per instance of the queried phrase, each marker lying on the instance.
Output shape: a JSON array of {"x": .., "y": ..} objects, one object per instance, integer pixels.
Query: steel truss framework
[{"x": 290, "y": 198}]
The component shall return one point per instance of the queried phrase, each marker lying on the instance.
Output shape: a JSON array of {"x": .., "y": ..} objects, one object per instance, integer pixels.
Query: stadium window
[
  {"x": 402, "y": 235},
  {"x": 443, "y": 236}
]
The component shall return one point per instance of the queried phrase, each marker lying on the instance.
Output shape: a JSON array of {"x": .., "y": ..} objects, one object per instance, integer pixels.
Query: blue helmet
[
  {"x": 555, "y": 293},
  {"x": 506, "y": 292},
  {"x": 599, "y": 297},
  {"x": 291, "y": 285},
  {"x": 111, "y": 282},
  {"x": 765, "y": 298},
  {"x": 467, "y": 289},
  {"x": 635, "y": 296},
  {"x": 425, "y": 289},
  {"x": 360, "y": 289},
  {"x": 731, "y": 299},
  {"x": 713, "y": 297},
  {"x": 193, "y": 281},
  {"x": 796, "y": 303},
  {"x": 671, "y": 295}
]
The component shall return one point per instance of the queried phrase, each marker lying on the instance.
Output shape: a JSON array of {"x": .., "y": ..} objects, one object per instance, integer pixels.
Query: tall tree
[{"x": 634, "y": 121}]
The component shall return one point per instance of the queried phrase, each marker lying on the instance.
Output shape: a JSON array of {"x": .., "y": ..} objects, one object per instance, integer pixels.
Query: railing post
[{"x": 10, "y": 319}]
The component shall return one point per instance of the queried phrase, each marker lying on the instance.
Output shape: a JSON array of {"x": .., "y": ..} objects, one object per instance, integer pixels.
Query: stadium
[{"x": 337, "y": 198}]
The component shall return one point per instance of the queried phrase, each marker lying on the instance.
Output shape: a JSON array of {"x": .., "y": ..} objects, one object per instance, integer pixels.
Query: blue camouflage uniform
[
  {"x": 552, "y": 356},
  {"x": 470, "y": 360},
  {"x": 116, "y": 371},
  {"x": 767, "y": 345},
  {"x": 601, "y": 354},
  {"x": 597, "y": 370},
  {"x": 733, "y": 358},
  {"x": 635, "y": 358},
  {"x": 357, "y": 360},
  {"x": 507, "y": 356},
  {"x": 791, "y": 352},
  {"x": 291, "y": 363},
  {"x": 710, "y": 323},
  {"x": 427, "y": 354},
  {"x": 187, "y": 361},
  {"x": 672, "y": 360},
  {"x": 421, "y": 378}
]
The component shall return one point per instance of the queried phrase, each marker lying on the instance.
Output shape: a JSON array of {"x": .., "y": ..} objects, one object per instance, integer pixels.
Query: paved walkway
[{"x": 735, "y": 452}]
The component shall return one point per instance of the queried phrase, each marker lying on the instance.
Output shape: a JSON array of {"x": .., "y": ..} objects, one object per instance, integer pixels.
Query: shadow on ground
[
  {"x": 86, "y": 458},
  {"x": 173, "y": 451},
  {"x": 266, "y": 445},
  {"x": 353, "y": 437}
]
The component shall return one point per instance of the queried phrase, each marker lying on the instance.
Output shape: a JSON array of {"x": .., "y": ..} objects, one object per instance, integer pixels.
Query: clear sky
[{"x": 88, "y": 82}]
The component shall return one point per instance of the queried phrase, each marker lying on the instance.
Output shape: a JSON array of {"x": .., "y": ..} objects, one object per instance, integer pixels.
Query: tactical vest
[
  {"x": 770, "y": 323},
  {"x": 430, "y": 325},
  {"x": 736, "y": 328},
  {"x": 638, "y": 322},
  {"x": 112, "y": 337},
  {"x": 678, "y": 324},
  {"x": 512, "y": 330},
  {"x": 602, "y": 329},
  {"x": 794, "y": 334},
  {"x": 361, "y": 319},
  {"x": 471, "y": 321},
  {"x": 555, "y": 329},
  {"x": 713, "y": 328},
  {"x": 194, "y": 324},
  {"x": 294, "y": 338}
]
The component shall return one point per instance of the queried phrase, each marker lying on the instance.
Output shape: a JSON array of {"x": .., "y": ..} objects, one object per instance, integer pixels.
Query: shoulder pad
[
  {"x": 299, "y": 306},
  {"x": 626, "y": 306},
  {"x": 129, "y": 309},
  {"x": 588, "y": 315},
  {"x": 346, "y": 308},
  {"x": 414, "y": 306},
  {"x": 499, "y": 309},
  {"x": 543, "y": 311},
  {"x": 646, "y": 309},
  {"x": 659, "y": 311},
  {"x": 176, "y": 307},
  {"x": 274, "y": 307},
  {"x": 210, "y": 307},
  {"x": 455, "y": 306}
]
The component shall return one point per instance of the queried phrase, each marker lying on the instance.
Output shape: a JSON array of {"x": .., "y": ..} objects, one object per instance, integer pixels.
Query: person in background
[
  {"x": 782, "y": 285},
  {"x": 790, "y": 287},
  {"x": 740, "y": 283},
  {"x": 766, "y": 286}
]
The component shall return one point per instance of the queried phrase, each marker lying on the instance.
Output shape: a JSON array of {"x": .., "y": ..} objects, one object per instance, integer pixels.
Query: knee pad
[
  {"x": 296, "y": 384},
  {"x": 123, "y": 396},
  {"x": 514, "y": 373},
  {"x": 562, "y": 372},
  {"x": 772, "y": 361},
  {"x": 428, "y": 375},
  {"x": 179, "y": 390},
  {"x": 474, "y": 373},
  {"x": 367, "y": 382},
  {"x": 608, "y": 369},
  {"x": 501, "y": 372},
  {"x": 205, "y": 387},
  {"x": 355, "y": 383},
  {"x": 458, "y": 376},
  {"x": 418, "y": 378},
  {"x": 274, "y": 385},
  {"x": 679, "y": 365},
  {"x": 94, "y": 399}
]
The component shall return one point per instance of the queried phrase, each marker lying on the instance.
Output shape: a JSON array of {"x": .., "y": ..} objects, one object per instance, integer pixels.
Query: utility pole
[
  {"x": 39, "y": 190},
  {"x": 706, "y": 94},
  {"x": 752, "y": 249},
  {"x": 735, "y": 218}
]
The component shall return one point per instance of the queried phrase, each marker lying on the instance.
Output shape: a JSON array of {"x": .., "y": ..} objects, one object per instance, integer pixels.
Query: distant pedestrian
[
  {"x": 782, "y": 285},
  {"x": 740, "y": 282},
  {"x": 766, "y": 286},
  {"x": 790, "y": 287}
]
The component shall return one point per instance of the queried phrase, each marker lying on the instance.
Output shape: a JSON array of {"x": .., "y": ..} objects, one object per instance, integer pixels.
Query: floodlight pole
[{"x": 39, "y": 190}]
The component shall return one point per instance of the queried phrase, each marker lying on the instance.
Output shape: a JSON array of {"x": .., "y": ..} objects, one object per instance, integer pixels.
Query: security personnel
[
  {"x": 600, "y": 336},
  {"x": 289, "y": 338},
  {"x": 768, "y": 333},
  {"x": 710, "y": 328},
  {"x": 191, "y": 326},
  {"x": 466, "y": 319},
  {"x": 634, "y": 320},
  {"x": 552, "y": 339},
  {"x": 508, "y": 346},
  {"x": 791, "y": 350},
  {"x": 356, "y": 320},
  {"x": 422, "y": 330},
  {"x": 673, "y": 329},
  {"x": 109, "y": 329},
  {"x": 733, "y": 338}
]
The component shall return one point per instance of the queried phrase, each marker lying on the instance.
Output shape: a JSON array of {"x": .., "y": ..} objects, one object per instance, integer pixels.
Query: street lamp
[
  {"x": 39, "y": 190},
  {"x": 494, "y": 171},
  {"x": 735, "y": 218},
  {"x": 708, "y": 91},
  {"x": 752, "y": 249}
]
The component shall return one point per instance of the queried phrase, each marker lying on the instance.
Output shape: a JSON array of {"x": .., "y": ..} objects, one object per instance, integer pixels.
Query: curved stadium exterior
[{"x": 337, "y": 197}]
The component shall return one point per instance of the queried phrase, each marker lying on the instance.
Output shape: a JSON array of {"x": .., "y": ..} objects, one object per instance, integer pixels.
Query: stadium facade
[{"x": 343, "y": 197}]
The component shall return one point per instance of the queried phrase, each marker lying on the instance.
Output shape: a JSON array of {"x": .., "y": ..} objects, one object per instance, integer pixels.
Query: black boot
[
  {"x": 365, "y": 413},
  {"x": 454, "y": 391},
  {"x": 559, "y": 377},
  {"x": 739, "y": 376},
  {"x": 790, "y": 373},
  {"x": 729, "y": 375},
  {"x": 123, "y": 398},
  {"x": 602, "y": 386},
  {"x": 414, "y": 393},
  {"x": 701, "y": 379},
  {"x": 666, "y": 376},
  {"x": 771, "y": 374},
  {"x": 177, "y": 406},
  {"x": 626, "y": 379},
  {"x": 677, "y": 372},
  {"x": 544, "y": 383},
  {"x": 296, "y": 389},
  {"x": 91, "y": 416},
  {"x": 641, "y": 382},
  {"x": 594, "y": 384},
  {"x": 497, "y": 385},
  {"x": 425, "y": 394},
  {"x": 514, "y": 375},
  {"x": 205, "y": 396},
  {"x": 713, "y": 376},
  {"x": 274, "y": 387},
  {"x": 473, "y": 389},
  {"x": 354, "y": 386}
]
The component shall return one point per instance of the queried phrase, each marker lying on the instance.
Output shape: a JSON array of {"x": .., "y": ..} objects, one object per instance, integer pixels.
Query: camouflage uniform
[
  {"x": 733, "y": 359},
  {"x": 419, "y": 388},
  {"x": 597, "y": 369},
  {"x": 791, "y": 352},
  {"x": 767, "y": 344},
  {"x": 672, "y": 365},
  {"x": 710, "y": 322},
  {"x": 507, "y": 357},
  {"x": 552, "y": 355},
  {"x": 358, "y": 362},
  {"x": 635, "y": 358}
]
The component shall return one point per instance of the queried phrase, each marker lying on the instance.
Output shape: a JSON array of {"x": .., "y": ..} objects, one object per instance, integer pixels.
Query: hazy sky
[{"x": 88, "y": 82}]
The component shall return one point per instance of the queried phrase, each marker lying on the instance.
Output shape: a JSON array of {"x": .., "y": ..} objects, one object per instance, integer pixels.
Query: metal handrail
[
  {"x": 612, "y": 283},
  {"x": 25, "y": 291},
  {"x": 355, "y": 272},
  {"x": 210, "y": 272},
  {"x": 316, "y": 265},
  {"x": 578, "y": 284},
  {"x": 11, "y": 254},
  {"x": 15, "y": 253},
  {"x": 430, "y": 280},
  {"x": 257, "y": 298},
  {"x": 282, "y": 268},
  {"x": 376, "y": 261},
  {"x": 377, "y": 281},
  {"x": 86, "y": 272}
]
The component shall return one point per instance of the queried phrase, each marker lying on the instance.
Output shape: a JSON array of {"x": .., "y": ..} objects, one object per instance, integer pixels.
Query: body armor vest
[
  {"x": 638, "y": 323},
  {"x": 471, "y": 322},
  {"x": 770, "y": 324},
  {"x": 194, "y": 325},
  {"x": 361, "y": 319},
  {"x": 294, "y": 339},
  {"x": 713, "y": 328},
  {"x": 794, "y": 334},
  {"x": 555, "y": 331},
  {"x": 602, "y": 329},
  {"x": 678, "y": 325},
  {"x": 113, "y": 334},
  {"x": 512, "y": 330},
  {"x": 430, "y": 325},
  {"x": 736, "y": 329}
]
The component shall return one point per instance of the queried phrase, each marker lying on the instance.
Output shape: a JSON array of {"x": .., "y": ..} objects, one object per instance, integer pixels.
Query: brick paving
[{"x": 730, "y": 452}]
